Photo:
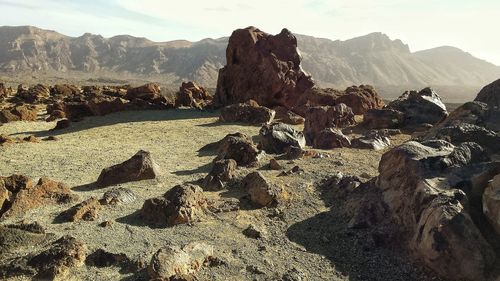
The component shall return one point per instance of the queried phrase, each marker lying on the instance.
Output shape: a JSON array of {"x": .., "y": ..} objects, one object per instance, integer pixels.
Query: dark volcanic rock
[
  {"x": 385, "y": 118},
  {"x": 181, "y": 204},
  {"x": 264, "y": 68},
  {"x": 278, "y": 137},
  {"x": 424, "y": 107},
  {"x": 140, "y": 167},
  {"x": 490, "y": 94},
  {"x": 373, "y": 140},
  {"x": 287, "y": 116},
  {"x": 323, "y": 117},
  {"x": 240, "y": 148},
  {"x": 331, "y": 138},
  {"x": 222, "y": 171},
  {"x": 249, "y": 113}
]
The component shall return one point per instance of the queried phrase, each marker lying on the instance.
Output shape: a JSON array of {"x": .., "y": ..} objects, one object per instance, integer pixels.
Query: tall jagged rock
[{"x": 262, "y": 67}]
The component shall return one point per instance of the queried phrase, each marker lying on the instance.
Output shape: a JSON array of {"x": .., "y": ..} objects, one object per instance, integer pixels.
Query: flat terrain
[{"x": 306, "y": 238}]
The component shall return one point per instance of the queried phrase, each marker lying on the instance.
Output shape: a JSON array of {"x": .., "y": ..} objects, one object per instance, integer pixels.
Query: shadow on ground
[{"x": 126, "y": 117}]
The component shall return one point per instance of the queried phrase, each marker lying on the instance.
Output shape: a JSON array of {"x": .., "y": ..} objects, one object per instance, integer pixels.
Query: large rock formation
[
  {"x": 264, "y": 68},
  {"x": 191, "y": 94},
  {"x": 490, "y": 94}
]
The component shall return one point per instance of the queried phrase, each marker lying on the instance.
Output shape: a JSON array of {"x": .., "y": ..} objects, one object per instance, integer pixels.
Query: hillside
[{"x": 371, "y": 59}]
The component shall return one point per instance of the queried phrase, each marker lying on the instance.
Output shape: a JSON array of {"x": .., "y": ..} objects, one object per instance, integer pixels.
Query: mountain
[{"x": 371, "y": 59}]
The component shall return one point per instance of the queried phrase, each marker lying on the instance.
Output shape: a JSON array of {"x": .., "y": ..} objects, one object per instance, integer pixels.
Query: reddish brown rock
[
  {"x": 361, "y": 98},
  {"x": 263, "y": 192},
  {"x": 64, "y": 90},
  {"x": 19, "y": 113},
  {"x": 222, "y": 171},
  {"x": 262, "y": 67},
  {"x": 240, "y": 148},
  {"x": 62, "y": 124},
  {"x": 323, "y": 117},
  {"x": 140, "y": 167},
  {"x": 331, "y": 138},
  {"x": 249, "y": 113},
  {"x": 4, "y": 92},
  {"x": 103, "y": 106},
  {"x": 6, "y": 140},
  {"x": 181, "y": 204},
  {"x": 287, "y": 116},
  {"x": 87, "y": 210},
  {"x": 144, "y": 91},
  {"x": 191, "y": 94},
  {"x": 24, "y": 196},
  {"x": 56, "y": 114},
  {"x": 36, "y": 94}
]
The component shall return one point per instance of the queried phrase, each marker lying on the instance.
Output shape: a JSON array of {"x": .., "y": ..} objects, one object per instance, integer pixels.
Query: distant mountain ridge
[{"x": 371, "y": 59}]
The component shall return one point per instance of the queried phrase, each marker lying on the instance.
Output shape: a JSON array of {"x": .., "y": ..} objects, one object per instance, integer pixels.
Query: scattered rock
[
  {"x": 87, "y": 210},
  {"x": 18, "y": 113},
  {"x": 192, "y": 95},
  {"x": 181, "y": 204},
  {"x": 140, "y": 167},
  {"x": 360, "y": 99},
  {"x": 278, "y": 137},
  {"x": 325, "y": 117},
  {"x": 274, "y": 165},
  {"x": 240, "y": 148},
  {"x": 373, "y": 140},
  {"x": 262, "y": 192},
  {"x": 294, "y": 152},
  {"x": 118, "y": 195},
  {"x": 287, "y": 116},
  {"x": 248, "y": 113},
  {"x": 222, "y": 171},
  {"x": 252, "y": 231},
  {"x": 295, "y": 170},
  {"x": 424, "y": 107},
  {"x": 171, "y": 261},
  {"x": 384, "y": 118},
  {"x": 331, "y": 138},
  {"x": 103, "y": 258},
  {"x": 106, "y": 224},
  {"x": 62, "y": 124}
]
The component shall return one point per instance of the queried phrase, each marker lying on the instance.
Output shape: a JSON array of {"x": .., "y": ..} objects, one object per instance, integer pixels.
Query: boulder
[
  {"x": 103, "y": 106},
  {"x": 62, "y": 124},
  {"x": 23, "y": 196},
  {"x": 264, "y": 68},
  {"x": 248, "y": 113},
  {"x": 4, "y": 92},
  {"x": 240, "y": 148},
  {"x": 424, "y": 107},
  {"x": 491, "y": 203},
  {"x": 323, "y": 117},
  {"x": 278, "y": 137},
  {"x": 56, "y": 262},
  {"x": 36, "y": 94},
  {"x": 385, "y": 118},
  {"x": 117, "y": 196},
  {"x": 87, "y": 210},
  {"x": 361, "y": 99},
  {"x": 222, "y": 171},
  {"x": 19, "y": 113},
  {"x": 418, "y": 181},
  {"x": 287, "y": 116},
  {"x": 181, "y": 204},
  {"x": 192, "y": 95},
  {"x": 373, "y": 140},
  {"x": 146, "y": 90},
  {"x": 64, "y": 90},
  {"x": 56, "y": 114},
  {"x": 171, "y": 261},
  {"x": 490, "y": 94},
  {"x": 331, "y": 138},
  {"x": 140, "y": 167},
  {"x": 262, "y": 192}
]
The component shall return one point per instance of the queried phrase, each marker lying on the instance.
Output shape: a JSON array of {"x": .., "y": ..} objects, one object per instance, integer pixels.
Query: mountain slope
[{"x": 370, "y": 59}]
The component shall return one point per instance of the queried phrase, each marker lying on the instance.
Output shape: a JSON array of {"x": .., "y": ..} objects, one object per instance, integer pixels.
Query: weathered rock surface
[
  {"x": 385, "y": 118},
  {"x": 18, "y": 113},
  {"x": 36, "y": 94},
  {"x": 418, "y": 183},
  {"x": 87, "y": 210},
  {"x": 240, "y": 148},
  {"x": 373, "y": 140},
  {"x": 491, "y": 203},
  {"x": 192, "y": 95},
  {"x": 118, "y": 195},
  {"x": 278, "y": 137},
  {"x": 331, "y": 138},
  {"x": 140, "y": 167},
  {"x": 360, "y": 99},
  {"x": 490, "y": 94},
  {"x": 248, "y": 113},
  {"x": 264, "y": 68},
  {"x": 324, "y": 117},
  {"x": 262, "y": 192},
  {"x": 222, "y": 171},
  {"x": 22, "y": 196},
  {"x": 287, "y": 116},
  {"x": 171, "y": 261},
  {"x": 181, "y": 204},
  {"x": 423, "y": 107}
]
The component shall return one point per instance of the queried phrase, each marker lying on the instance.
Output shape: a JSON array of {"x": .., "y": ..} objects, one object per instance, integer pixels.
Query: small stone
[
  {"x": 274, "y": 165},
  {"x": 252, "y": 231},
  {"x": 261, "y": 191}
]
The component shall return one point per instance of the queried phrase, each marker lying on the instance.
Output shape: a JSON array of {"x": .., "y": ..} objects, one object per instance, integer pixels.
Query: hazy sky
[{"x": 471, "y": 25}]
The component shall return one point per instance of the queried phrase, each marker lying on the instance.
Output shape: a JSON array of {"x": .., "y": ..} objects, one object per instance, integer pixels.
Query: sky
[{"x": 471, "y": 25}]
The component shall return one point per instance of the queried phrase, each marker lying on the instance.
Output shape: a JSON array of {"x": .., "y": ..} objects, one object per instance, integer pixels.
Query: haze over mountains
[{"x": 373, "y": 59}]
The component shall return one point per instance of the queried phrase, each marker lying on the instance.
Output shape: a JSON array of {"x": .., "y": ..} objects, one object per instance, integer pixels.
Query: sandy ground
[{"x": 307, "y": 236}]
